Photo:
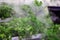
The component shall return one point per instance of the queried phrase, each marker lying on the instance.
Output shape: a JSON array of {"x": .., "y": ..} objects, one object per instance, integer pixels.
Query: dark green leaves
[{"x": 5, "y": 11}]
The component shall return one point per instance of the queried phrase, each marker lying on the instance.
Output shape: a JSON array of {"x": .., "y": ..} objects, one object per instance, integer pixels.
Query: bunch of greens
[
  {"x": 22, "y": 27},
  {"x": 17, "y": 27},
  {"x": 5, "y": 11}
]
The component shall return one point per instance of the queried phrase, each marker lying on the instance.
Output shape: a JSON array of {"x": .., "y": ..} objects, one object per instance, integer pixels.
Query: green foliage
[
  {"x": 23, "y": 27},
  {"x": 27, "y": 26},
  {"x": 37, "y": 25},
  {"x": 53, "y": 31},
  {"x": 5, "y": 11},
  {"x": 38, "y": 3},
  {"x": 20, "y": 26},
  {"x": 4, "y": 33}
]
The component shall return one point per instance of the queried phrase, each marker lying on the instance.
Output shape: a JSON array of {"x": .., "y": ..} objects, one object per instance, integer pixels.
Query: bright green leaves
[{"x": 38, "y": 3}]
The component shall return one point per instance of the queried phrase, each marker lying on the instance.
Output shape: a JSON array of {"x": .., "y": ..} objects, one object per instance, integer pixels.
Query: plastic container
[{"x": 54, "y": 12}]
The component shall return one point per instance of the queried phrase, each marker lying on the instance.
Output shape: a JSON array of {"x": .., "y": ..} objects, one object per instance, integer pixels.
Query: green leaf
[{"x": 38, "y": 3}]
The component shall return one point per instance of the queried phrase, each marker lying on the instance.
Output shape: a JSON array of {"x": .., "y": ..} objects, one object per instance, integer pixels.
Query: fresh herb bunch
[{"x": 5, "y": 11}]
